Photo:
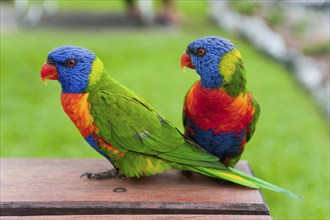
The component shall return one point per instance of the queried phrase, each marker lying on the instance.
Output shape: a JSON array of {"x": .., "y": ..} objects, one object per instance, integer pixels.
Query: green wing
[
  {"x": 256, "y": 115},
  {"x": 130, "y": 124}
]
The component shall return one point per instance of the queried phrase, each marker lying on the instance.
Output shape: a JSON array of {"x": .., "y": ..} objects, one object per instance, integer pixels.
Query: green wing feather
[
  {"x": 130, "y": 124},
  {"x": 256, "y": 115}
]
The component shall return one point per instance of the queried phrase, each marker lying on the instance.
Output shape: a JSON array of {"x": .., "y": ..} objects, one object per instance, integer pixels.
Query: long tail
[{"x": 241, "y": 178}]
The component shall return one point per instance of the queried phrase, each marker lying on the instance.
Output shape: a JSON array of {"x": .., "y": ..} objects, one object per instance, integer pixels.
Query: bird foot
[
  {"x": 221, "y": 181},
  {"x": 113, "y": 173},
  {"x": 187, "y": 174}
]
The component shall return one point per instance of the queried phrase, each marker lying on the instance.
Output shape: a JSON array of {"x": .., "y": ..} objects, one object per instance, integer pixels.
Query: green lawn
[{"x": 291, "y": 144}]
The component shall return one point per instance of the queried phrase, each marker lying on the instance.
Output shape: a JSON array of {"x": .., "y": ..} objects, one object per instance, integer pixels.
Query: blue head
[
  {"x": 205, "y": 55},
  {"x": 70, "y": 65}
]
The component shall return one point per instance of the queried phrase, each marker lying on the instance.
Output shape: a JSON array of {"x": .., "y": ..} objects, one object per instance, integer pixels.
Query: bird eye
[
  {"x": 200, "y": 51},
  {"x": 50, "y": 61},
  {"x": 70, "y": 62}
]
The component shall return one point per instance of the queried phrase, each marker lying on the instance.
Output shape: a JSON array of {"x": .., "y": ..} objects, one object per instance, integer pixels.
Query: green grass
[{"x": 291, "y": 144}]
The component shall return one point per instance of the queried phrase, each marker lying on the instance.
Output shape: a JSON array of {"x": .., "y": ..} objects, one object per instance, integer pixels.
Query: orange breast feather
[{"x": 77, "y": 108}]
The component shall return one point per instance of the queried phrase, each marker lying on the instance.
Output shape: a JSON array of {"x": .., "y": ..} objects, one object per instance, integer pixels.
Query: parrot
[
  {"x": 125, "y": 128},
  {"x": 219, "y": 113}
]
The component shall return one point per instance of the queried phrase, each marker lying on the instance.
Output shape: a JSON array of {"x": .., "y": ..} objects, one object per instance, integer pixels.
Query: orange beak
[
  {"x": 48, "y": 72},
  {"x": 186, "y": 61}
]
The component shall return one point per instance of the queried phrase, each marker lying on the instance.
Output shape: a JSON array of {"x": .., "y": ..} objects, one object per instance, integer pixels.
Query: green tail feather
[
  {"x": 241, "y": 178},
  {"x": 263, "y": 184},
  {"x": 220, "y": 174}
]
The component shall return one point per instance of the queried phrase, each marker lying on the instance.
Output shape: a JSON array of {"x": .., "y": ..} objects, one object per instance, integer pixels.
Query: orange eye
[
  {"x": 200, "y": 51},
  {"x": 71, "y": 63}
]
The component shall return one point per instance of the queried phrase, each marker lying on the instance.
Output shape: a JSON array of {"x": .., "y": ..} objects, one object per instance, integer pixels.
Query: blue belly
[
  {"x": 92, "y": 142},
  {"x": 222, "y": 145}
]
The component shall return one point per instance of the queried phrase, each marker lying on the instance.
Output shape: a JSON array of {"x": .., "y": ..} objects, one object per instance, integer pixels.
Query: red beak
[
  {"x": 48, "y": 72},
  {"x": 186, "y": 61}
]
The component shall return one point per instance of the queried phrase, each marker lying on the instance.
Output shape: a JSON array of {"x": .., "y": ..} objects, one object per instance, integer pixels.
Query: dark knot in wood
[{"x": 119, "y": 189}]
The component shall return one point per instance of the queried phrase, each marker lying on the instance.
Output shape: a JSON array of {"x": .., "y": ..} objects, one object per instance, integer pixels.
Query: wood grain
[
  {"x": 140, "y": 217},
  {"x": 32, "y": 187}
]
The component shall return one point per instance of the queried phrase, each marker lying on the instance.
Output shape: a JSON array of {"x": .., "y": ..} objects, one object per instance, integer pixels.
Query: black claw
[
  {"x": 187, "y": 174},
  {"x": 88, "y": 175},
  {"x": 103, "y": 175},
  {"x": 222, "y": 181}
]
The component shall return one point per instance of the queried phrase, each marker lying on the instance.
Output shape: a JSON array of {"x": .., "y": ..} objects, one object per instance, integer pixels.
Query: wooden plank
[
  {"x": 52, "y": 186},
  {"x": 140, "y": 217}
]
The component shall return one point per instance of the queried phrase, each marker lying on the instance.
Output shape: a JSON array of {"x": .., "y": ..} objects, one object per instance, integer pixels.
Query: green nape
[{"x": 232, "y": 69}]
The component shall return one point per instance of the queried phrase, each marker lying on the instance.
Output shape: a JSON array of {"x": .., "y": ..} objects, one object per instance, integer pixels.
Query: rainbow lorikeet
[
  {"x": 219, "y": 113},
  {"x": 126, "y": 129}
]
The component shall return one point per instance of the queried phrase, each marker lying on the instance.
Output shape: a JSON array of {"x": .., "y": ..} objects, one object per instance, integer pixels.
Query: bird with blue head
[{"x": 219, "y": 113}]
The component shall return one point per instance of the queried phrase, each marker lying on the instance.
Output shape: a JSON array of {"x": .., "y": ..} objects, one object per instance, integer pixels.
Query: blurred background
[{"x": 284, "y": 44}]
